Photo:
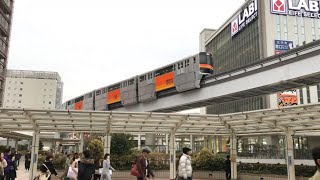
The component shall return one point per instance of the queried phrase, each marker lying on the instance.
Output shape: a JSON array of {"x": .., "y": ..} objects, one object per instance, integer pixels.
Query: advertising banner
[
  {"x": 287, "y": 98},
  {"x": 281, "y": 46},
  {"x": 301, "y": 8}
]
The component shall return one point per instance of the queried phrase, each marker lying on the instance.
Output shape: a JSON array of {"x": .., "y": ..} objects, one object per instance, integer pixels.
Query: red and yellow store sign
[{"x": 165, "y": 81}]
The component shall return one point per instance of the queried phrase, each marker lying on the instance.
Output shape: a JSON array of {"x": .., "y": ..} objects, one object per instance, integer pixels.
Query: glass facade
[
  {"x": 303, "y": 36},
  {"x": 278, "y": 27},
  {"x": 318, "y": 92},
  {"x": 296, "y": 31},
  {"x": 313, "y": 29},
  {"x": 229, "y": 53},
  {"x": 301, "y": 96},
  {"x": 285, "y": 27},
  {"x": 308, "y": 95}
]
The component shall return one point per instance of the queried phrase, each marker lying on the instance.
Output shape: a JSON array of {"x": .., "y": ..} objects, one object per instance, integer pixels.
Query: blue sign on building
[{"x": 281, "y": 46}]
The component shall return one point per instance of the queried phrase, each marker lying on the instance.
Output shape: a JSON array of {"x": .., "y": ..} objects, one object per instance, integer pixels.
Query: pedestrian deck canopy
[{"x": 302, "y": 119}]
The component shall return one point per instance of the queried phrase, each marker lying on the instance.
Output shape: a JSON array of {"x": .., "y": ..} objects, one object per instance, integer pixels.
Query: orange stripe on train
[
  {"x": 207, "y": 66},
  {"x": 78, "y": 105},
  {"x": 165, "y": 81},
  {"x": 114, "y": 96}
]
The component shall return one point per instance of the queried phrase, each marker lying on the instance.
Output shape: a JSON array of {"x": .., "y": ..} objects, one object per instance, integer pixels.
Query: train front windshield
[{"x": 206, "y": 63}]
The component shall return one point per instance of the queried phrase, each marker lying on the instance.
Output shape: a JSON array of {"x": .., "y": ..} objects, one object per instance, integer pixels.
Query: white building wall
[{"x": 26, "y": 92}]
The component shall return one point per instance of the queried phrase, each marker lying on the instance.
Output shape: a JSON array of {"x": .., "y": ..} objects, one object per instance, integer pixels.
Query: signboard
[
  {"x": 281, "y": 46},
  {"x": 303, "y": 8},
  {"x": 287, "y": 98},
  {"x": 247, "y": 16}
]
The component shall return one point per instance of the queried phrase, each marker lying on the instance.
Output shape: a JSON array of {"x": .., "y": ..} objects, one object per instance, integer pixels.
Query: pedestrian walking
[
  {"x": 316, "y": 157},
  {"x": 9, "y": 164},
  {"x": 185, "y": 168},
  {"x": 44, "y": 173},
  {"x": 3, "y": 165},
  {"x": 141, "y": 164},
  {"x": 107, "y": 168},
  {"x": 97, "y": 167},
  {"x": 86, "y": 167},
  {"x": 49, "y": 165},
  {"x": 17, "y": 157},
  {"x": 27, "y": 160},
  {"x": 66, "y": 167},
  {"x": 149, "y": 170},
  {"x": 227, "y": 164},
  {"x": 12, "y": 168}
]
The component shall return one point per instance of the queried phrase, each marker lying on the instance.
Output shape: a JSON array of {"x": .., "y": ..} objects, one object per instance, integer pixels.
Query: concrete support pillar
[
  {"x": 290, "y": 154},
  {"x": 34, "y": 155},
  {"x": 191, "y": 142},
  {"x": 81, "y": 143},
  {"x": 8, "y": 141},
  {"x": 215, "y": 144},
  {"x": 16, "y": 145},
  {"x": 139, "y": 141},
  {"x": 233, "y": 156},
  {"x": 167, "y": 143},
  {"x": 220, "y": 143},
  {"x": 172, "y": 147},
  {"x": 107, "y": 144}
]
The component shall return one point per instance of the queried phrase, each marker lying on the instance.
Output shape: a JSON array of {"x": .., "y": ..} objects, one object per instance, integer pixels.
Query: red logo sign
[
  {"x": 278, "y": 6},
  {"x": 234, "y": 27}
]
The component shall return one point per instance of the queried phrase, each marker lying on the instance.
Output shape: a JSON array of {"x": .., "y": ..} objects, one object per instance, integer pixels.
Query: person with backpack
[
  {"x": 49, "y": 165},
  {"x": 185, "y": 168},
  {"x": 86, "y": 167}
]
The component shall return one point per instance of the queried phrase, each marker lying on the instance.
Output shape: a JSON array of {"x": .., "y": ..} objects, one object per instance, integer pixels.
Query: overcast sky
[{"x": 95, "y": 43}]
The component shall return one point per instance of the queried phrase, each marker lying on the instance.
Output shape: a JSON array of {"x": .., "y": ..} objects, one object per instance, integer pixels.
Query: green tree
[
  {"x": 121, "y": 144},
  {"x": 41, "y": 145},
  {"x": 96, "y": 149}
]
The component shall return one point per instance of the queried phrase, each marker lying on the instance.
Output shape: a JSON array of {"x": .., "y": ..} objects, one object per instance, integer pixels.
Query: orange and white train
[{"x": 180, "y": 76}]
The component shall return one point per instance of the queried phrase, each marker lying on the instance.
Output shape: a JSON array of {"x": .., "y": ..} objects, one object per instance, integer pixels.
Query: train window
[
  {"x": 98, "y": 92},
  {"x": 141, "y": 78},
  {"x": 164, "y": 70},
  {"x": 69, "y": 102},
  {"x": 131, "y": 81},
  {"x": 185, "y": 63},
  {"x": 88, "y": 95},
  {"x": 151, "y": 74},
  {"x": 194, "y": 60},
  {"x": 104, "y": 90},
  {"x": 78, "y": 99},
  {"x": 114, "y": 87}
]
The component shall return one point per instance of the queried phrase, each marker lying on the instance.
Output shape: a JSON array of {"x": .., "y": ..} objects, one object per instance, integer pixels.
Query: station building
[{"x": 257, "y": 30}]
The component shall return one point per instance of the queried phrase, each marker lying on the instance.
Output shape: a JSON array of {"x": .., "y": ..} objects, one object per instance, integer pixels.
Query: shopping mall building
[{"x": 259, "y": 29}]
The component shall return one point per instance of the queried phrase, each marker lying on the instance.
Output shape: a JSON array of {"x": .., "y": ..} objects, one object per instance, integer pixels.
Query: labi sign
[
  {"x": 303, "y": 8},
  {"x": 245, "y": 17}
]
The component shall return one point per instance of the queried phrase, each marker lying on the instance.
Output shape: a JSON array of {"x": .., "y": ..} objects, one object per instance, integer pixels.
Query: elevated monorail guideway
[{"x": 293, "y": 69}]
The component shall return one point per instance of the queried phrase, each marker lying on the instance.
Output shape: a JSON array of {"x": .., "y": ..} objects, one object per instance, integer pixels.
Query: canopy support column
[
  {"x": 34, "y": 155},
  {"x": 290, "y": 154},
  {"x": 172, "y": 147},
  {"x": 81, "y": 143},
  {"x": 191, "y": 142},
  {"x": 167, "y": 143},
  {"x": 233, "y": 156},
  {"x": 107, "y": 143},
  {"x": 139, "y": 141}
]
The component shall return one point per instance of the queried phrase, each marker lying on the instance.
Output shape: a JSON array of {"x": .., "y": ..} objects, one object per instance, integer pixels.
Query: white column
[
  {"x": 34, "y": 155},
  {"x": 215, "y": 145},
  {"x": 81, "y": 143},
  {"x": 172, "y": 147},
  {"x": 167, "y": 143},
  {"x": 8, "y": 141},
  {"x": 191, "y": 142},
  {"x": 139, "y": 141},
  {"x": 290, "y": 154},
  {"x": 233, "y": 156},
  {"x": 16, "y": 145},
  {"x": 107, "y": 144}
]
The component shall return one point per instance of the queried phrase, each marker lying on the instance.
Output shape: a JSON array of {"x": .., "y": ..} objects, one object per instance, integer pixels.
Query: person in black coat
[
  {"x": 27, "y": 160},
  {"x": 228, "y": 167},
  {"x": 86, "y": 167},
  {"x": 13, "y": 168},
  {"x": 49, "y": 165}
]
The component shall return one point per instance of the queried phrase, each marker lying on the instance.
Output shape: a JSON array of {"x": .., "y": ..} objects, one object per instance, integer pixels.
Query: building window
[
  {"x": 296, "y": 31},
  {"x": 43, "y": 102},
  {"x": 45, "y": 90},
  {"x": 44, "y": 96},
  {"x": 19, "y": 101},
  {"x": 49, "y": 102},
  {"x": 278, "y": 27},
  {"x": 285, "y": 27},
  {"x": 303, "y": 36},
  {"x": 318, "y": 89},
  {"x": 308, "y": 95},
  {"x": 20, "y": 95},
  {"x": 313, "y": 29},
  {"x": 21, "y": 89},
  {"x": 301, "y": 96},
  {"x": 21, "y": 82}
]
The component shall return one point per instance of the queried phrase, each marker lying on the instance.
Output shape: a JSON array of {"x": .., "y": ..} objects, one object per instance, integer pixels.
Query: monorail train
[{"x": 180, "y": 76}]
